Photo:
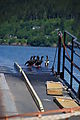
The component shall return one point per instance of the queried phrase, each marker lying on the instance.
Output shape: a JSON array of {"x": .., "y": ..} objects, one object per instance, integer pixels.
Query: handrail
[
  {"x": 70, "y": 35},
  {"x": 76, "y": 42},
  {"x": 30, "y": 88},
  {"x": 76, "y": 53},
  {"x": 70, "y": 59}
]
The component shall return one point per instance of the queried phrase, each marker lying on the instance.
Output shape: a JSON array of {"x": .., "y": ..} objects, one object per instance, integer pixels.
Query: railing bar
[
  {"x": 72, "y": 75},
  {"x": 74, "y": 91},
  {"x": 67, "y": 70},
  {"x": 67, "y": 58},
  {"x": 71, "y": 35},
  {"x": 73, "y": 50},
  {"x": 70, "y": 59},
  {"x": 71, "y": 80},
  {"x": 76, "y": 79},
  {"x": 76, "y": 66},
  {"x": 69, "y": 87},
  {"x": 76, "y": 42},
  {"x": 66, "y": 82},
  {"x": 76, "y": 53},
  {"x": 79, "y": 47}
]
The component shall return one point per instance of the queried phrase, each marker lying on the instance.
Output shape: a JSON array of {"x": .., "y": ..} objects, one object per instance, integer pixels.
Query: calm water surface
[{"x": 11, "y": 54}]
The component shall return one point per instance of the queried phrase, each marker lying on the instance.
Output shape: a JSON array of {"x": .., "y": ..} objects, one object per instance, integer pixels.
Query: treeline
[
  {"x": 35, "y": 32},
  {"x": 39, "y": 9},
  {"x": 34, "y": 22}
]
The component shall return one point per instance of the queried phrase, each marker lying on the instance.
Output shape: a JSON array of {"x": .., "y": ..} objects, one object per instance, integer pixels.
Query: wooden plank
[
  {"x": 53, "y": 85},
  {"x": 65, "y": 102},
  {"x": 54, "y": 92},
  {"x": 54, "y": 88}
]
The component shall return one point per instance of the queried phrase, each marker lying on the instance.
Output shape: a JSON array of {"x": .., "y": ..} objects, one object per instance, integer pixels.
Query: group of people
[{"x": 37, "y": 61}]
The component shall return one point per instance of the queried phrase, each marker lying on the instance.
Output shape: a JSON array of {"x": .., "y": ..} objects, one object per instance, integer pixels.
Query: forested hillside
[{"x": 33, "y": 22}]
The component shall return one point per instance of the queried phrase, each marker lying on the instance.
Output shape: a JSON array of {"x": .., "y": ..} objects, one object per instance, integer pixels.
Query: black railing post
[
  {"x": 78, "y": 94},
  {"x": 59, "y": 56},
  {"x": 71, "y": 64},
  {"x": 63, "y": 56}
]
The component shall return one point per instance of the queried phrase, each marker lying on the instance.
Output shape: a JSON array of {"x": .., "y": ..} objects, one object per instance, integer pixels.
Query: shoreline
[
  {"x": 54, "y": 46},
  {"x": 25, "y": 45}
]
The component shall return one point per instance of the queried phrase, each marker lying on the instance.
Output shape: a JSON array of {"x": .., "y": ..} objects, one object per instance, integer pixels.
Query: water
[
  {"x": 11, "y": 54},
  {"x": 76, "y": 72}
]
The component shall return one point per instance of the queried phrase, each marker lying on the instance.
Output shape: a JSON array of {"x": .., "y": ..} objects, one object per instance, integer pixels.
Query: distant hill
[
  {"x": 39, "y": 9},
  {"x": 33, "y": 22}
]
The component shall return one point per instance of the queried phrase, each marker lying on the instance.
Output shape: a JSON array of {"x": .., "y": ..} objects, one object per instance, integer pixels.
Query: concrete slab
[
  {"x": 7, "y": 105},
  {"x": 22, "y": 97},
  {"x": 3, "y": 84},
  {"x": 39, "y": 84}
]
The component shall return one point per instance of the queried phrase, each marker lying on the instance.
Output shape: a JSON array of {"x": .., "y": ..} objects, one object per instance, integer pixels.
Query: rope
[{"x": 64, "y": 45}]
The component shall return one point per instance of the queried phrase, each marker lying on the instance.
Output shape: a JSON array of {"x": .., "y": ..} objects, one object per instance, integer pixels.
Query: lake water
[{"x": 11, "y": 54}]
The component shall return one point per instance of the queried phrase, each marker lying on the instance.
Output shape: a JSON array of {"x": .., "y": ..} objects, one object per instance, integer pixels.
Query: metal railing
[{"x": 73, "y": 65}]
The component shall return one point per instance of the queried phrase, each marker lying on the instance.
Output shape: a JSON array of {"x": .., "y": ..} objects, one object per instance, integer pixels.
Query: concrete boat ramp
[
  {"x": 18, "y": 96},
  {"x": 14, "y": 96}
]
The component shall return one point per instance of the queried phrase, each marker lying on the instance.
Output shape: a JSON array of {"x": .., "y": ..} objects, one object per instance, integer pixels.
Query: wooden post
[{"x": 78, "y": 94}]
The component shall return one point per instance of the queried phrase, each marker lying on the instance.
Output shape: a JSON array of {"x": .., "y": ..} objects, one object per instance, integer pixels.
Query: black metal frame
[
  {"x": 59, "y": 56},
  {"x": 74, "y": 40}
]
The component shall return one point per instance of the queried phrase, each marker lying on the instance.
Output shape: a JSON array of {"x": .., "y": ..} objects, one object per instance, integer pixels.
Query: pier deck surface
[
  {"x": 23, "y": 100},
  {"x": 39, "y": 84}
]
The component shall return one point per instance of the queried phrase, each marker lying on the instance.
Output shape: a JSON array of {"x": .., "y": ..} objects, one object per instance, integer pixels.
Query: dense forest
[{"x": 34, "y": 22}]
